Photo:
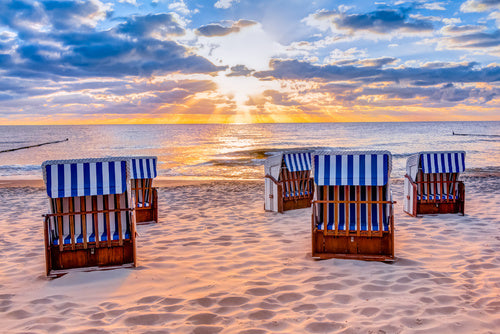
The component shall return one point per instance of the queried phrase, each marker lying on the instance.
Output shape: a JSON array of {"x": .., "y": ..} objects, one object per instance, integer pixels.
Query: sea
[{"x": 238, "y": 151}]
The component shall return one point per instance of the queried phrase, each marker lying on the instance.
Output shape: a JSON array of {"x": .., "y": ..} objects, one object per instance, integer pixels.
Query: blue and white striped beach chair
[
  {"x": 431, "y": 183},
  {"x": 352, "y": 208},
  {"x": 145, "y": 195},
  {"x": 90, "y": 220},
  {"x": 288, "y": 181}
]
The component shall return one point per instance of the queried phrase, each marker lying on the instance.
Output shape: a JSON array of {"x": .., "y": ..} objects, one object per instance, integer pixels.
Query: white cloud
[
  {"x": 476, "y": 6},
  {"x": 225, "y": 4},
  {"x": 132, "y": 2},
  {"x": 179, "y": 7},
  {"x": 495, "y": 16},
  {"x": 349, "y": 54},
  {"x": 434, "y": 6}
]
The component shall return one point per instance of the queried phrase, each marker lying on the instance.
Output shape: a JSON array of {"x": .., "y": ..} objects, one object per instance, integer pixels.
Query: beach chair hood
[
  {"x": 143, "y": 167},
  {"x": 86, "y": 177},
  {"x": 352, "y": 168},
  {"x": 297, "y": 162},
  {"x": 435, "y": 162}
]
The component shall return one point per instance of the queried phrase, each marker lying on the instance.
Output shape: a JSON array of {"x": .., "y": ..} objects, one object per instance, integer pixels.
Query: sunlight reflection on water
[{"x": 237, "y": 151}]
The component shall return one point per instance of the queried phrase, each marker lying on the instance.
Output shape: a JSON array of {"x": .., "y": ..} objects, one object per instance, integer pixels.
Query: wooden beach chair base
[
  {"x": 295, "y": 204},
  {"x": 434, "y": 206},
  {"x": 353, "y": 247},
  {"x": 90, "y": 257},
  {"x": 148, "y": 215}
]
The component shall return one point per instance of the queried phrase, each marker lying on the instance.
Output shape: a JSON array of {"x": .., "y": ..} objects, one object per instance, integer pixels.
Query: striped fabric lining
[
  {"x": 340, "y": 213},
  {"x": 89, "y": 220},
  {"x": 351, "y": 169},
  {"x": 86, "y": 178},
  {"x": 143, "y": 168},
  {"x": 442, "y": 162},
  {"x": 297, "y": 162}
]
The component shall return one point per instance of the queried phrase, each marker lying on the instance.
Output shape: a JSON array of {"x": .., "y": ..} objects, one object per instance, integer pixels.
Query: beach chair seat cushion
[
  {"x": 296, "y": 193},
  {"x": 91, "y": 238},
  {"x": 437, "y": 197},
  {"x": 352, "y": 225}
]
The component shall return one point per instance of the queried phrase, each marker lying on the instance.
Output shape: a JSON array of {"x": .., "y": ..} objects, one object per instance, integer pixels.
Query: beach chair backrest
[
  {"x": 436, "y": 174},
  {"x": 89, "y": 200},
  {"x": 142, "y": 175},
  {"x": 352, "y": 191}
]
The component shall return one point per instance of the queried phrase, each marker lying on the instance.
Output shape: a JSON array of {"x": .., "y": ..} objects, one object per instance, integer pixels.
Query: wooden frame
[
  {"x": 294, "y": 189},
  {"x": 450, "y": 194},
  {"x": 145, "y": 193},
  {"x": 76, "y": 213},
  {"x": 350, "y": 243}
]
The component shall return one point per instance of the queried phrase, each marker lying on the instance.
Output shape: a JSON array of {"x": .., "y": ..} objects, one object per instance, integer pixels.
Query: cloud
[
  {"x": 139, "y": 46},
  {"x": 181, "y": 8},
  {"x": 381, "y": 21},
  {"x": 223, "y": 29},
  {"x": 431, "y": 73},
  {"x": 63, "y": 15},
  {"x": 476, "y": 6},
  {"x": 225, "y": 4},
  {"x": 487, "y": 42},
  {"x": 161, "y": 25},
  {"x": 239, "y": 70}
]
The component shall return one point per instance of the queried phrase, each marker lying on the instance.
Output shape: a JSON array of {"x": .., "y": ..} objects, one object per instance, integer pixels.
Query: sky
[{"x": 258, "y": 61}]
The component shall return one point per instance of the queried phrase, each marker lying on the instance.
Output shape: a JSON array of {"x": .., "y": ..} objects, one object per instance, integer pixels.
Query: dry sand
[{"x": 217, "y": 263}]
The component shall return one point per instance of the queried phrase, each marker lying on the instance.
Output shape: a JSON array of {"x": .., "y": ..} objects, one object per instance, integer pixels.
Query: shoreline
[
  {"x": 169, "y": 182},
  {"x": 158, "y": 182}
]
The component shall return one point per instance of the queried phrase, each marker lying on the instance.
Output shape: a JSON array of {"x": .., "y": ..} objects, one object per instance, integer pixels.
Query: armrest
[{"x": 272, "y": 179}]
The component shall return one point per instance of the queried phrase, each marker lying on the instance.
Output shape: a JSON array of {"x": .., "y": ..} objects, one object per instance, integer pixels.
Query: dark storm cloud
[{"x": 224, "y": 28}]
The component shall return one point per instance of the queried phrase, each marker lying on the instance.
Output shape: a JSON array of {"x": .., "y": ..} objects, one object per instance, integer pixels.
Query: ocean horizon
[{"x": 238, "y": 151}]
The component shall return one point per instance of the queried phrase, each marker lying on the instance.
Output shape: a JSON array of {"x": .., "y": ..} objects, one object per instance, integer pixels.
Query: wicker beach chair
[
  {"x": 90, "y": 220},
  {"x": 145, "y": 195},
  {"x": 353, "y": 215},
  {"x": 431, "y": 183},
  {"x": 288, "y": 182}
]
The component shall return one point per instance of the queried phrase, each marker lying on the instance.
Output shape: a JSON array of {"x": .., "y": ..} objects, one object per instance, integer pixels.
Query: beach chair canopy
[
  {"x": 143, "y": 167},
  {"x": 352, "y": 168},
  {"x": 436, "y": 162},
  {"x": 86, "y": 177},
  {"x": 297, "y": 162}
]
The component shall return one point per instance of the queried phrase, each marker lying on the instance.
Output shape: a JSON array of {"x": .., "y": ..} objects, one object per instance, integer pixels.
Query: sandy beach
[{"x": 217, "y": 263}]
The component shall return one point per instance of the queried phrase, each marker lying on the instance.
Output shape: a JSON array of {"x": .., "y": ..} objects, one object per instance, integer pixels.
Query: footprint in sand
[
  {"x": 289, "y": 297},
  {"x": 323, "y": 327},
  {"x": 253, "y": 331},
  {"x": 261, "y": 315},
  {"x": 259, "y": 292},
  {"x": 204, "y": 319},
  {"x": 306, "y": 308},
  {"x": 149, "y": 300},
  {"x": 233, "y": 301},
  {"x": 329, "y": 286},
  {"x": 19, "y": 314},
  {"x": 207, "y": 330},
  {"x": 205, "y": 301}
]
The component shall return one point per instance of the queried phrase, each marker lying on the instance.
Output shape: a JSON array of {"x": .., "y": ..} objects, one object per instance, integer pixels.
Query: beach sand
[{"x": 217, "y": 263}]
